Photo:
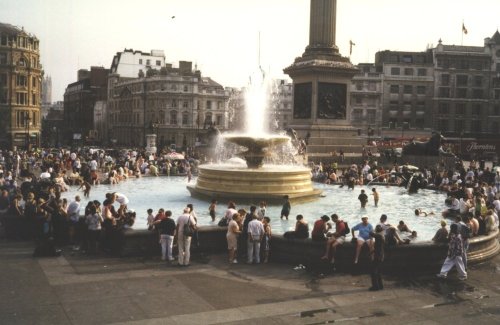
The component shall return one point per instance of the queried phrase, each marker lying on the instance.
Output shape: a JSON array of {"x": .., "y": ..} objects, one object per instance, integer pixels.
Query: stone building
[
  {"x": 408, "y": 88},
  {"x": 80, "y": 100},
  {"x": 129, "y": 63},
  {"x": 176, "y": 104},
  {"x": 367, "y": 98},
  {"x": 280, "y": 104},
  {"x": 47, "y": 90},
  {"x": 20, "y": 88}
]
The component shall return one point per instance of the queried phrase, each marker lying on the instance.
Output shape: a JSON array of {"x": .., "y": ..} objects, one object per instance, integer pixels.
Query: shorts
[
  {"x": 232, "y": 242},
  {"x": 369, "y": 240},
  {"x": 340, "y": 240},
  {"x": 93, "y": 174}
]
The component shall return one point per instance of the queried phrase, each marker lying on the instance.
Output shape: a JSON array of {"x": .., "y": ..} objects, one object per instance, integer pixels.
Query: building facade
[
  {"x": 47, "y": 90},
  {"x": 408, "y": 89},
  {"x": 80, "y": 99},
  {"x": 366, "y": 98},
  {"x": 280, "y": 104},
  {"x": 130, "y": 63},
  {"x": 20, "y": 88},
  {"x": 177, "y": 104}
]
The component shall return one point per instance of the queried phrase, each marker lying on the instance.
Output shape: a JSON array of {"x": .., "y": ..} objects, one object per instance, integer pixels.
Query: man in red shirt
[{"x": 337, "y": 238}]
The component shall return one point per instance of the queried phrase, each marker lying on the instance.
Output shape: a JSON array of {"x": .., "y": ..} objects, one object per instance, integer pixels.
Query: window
[
  {"x": 421, "y": 104},
  {"x": 359, "y": 86},
  {"x": 22, "y": 98},
  {"x": 174, "y": 103},
  {"x": 357, "y": 114},
  {"x": 22, "y": 62},
  {"x": 408, "y": 72},
  {"x": 476, "y": 126},
  {"x": 394, "y": 103},
  {"x": 461, "y": 80},
  {"x": 148, "y": 62},
  {"x": 442, "y": 125},
  {"x": 419, "y": 123},
  {"x": 478, "y": 81},
  {"x": 209, "y": 104},
  {"x": 407, "y": 59},
  {"x": 22, "y": 81},
  {"x": 221, "y": 105},
  {"x": 444, "y": 92},
  {"x": 185, "y": 104},
  {"x": 359, "y": 100},
  {"x": 477, "y": 93},
  {"x": 444, "y": 108},
  {"x": 33, "y": 82},
  {"x": 208, "y": 119},
  {"x": 185, "y": 88},
  {"x": 461, "y": 93},
  {"x": 459, "y": 125},
  {"x": 185, "y": 118},
  {"x": 498, "y": 67},
  {"x": 158, "y": 62},
  {"x": 421, "y": 90},
  {"x": 372, "y": 86},
  {"x": 218, "y": 120},
  {"x": 422, "y": 72},
  {"x": 173, "y": 118},
  {"x": 33, "y": 99},
  {"x": 3, "y": 40},
  {"x": 394, "y": 89},
  {"x": 497, "y": 94},
  {"x": 140, "y": 61},
  {"x": 445, "y": 80},
  {"x": 460, "y": 109},
  {"x": 3, "y": 80},
  {"x": 395, "y": 71},
  {"x": 3, "y": 58},
  {"x": 408, "y": 89},
  {"x": 476, "y": 109}
]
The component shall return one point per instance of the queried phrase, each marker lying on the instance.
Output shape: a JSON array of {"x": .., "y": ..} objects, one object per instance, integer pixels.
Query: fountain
[{"x": 258, "y": 180}]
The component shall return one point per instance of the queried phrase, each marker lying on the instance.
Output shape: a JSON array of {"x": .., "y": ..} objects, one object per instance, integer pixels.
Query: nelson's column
[{"x": 321, "y": 78}]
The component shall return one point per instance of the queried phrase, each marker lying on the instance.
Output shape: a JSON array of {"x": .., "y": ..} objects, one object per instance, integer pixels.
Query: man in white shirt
[
  {"x": 73, "y": 215},
  {"x": 45, "y": 174},
  {"x": 184, "y": 242},
  {"x": 255, "y": 234}
]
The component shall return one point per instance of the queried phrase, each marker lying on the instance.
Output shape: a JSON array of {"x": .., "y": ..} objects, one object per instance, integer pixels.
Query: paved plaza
[{"x": 76, "y": 289}]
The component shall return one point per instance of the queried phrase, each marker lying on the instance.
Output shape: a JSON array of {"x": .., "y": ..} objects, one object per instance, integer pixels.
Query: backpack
[
  {"x": 188, "y": 229},
  {"x": 347, "y": 230}
]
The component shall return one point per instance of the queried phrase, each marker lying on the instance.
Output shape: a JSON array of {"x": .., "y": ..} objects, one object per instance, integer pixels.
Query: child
[
  {"x": 285, "y": 210},
  {"x": 267, "y": 237},
  {"x": 211, "y": 209},
  {"x": 375, "y": 196},
  {"x": 87, "y": 186},
  {"x": 151, "y": 219}
]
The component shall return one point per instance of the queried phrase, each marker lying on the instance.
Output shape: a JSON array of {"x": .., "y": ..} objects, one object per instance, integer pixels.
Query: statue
[{"x": 432, "y": 147}]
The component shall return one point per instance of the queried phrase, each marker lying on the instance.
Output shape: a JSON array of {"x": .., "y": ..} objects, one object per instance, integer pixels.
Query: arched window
[
  {"x": 185, "y": 118},
  {"x": 173, "y": 118},
  {"x": 22, "y": 62}
]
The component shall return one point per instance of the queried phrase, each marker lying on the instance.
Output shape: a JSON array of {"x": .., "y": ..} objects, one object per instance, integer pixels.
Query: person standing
[
  {"x": 454, "y": 257},
  {"x": 376, "y": 196},
  {"x": 255, "y": 235},
  {"x": 285, "y": 210},
  {"x": 93, "y": 220},
  {"x": 184, "y": 240},
  {"x": 363, "y": 198},
  {"x": 233, "y": 230},
  {"x": 211, "y": 209},
  {"x": 378, "y": 258},
  {"x": 166, "y": 228}
]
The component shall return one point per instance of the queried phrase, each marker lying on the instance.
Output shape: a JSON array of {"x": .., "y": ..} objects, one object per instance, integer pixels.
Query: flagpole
[{"x": 462, "y": 42}]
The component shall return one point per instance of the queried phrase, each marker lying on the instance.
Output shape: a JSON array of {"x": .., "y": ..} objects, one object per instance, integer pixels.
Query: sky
[{"x": 222, "y": 36}]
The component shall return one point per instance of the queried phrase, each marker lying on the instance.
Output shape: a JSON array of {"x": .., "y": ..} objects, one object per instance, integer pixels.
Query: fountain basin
[{"x": 268, "y": 183}]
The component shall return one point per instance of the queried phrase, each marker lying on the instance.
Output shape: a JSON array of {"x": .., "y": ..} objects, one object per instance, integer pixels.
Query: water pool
[{"x": 170, "y": 193}]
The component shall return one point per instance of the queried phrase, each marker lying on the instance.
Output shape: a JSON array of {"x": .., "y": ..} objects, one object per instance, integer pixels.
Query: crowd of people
[{"x": 32, "y": 182}]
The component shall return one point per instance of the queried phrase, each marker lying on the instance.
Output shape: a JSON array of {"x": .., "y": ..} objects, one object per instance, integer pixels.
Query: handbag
[{"x": 188, "y": 230}]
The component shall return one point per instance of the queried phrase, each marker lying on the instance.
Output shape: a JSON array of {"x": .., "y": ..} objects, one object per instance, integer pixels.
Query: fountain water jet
[{"x": 257, "y": 181}]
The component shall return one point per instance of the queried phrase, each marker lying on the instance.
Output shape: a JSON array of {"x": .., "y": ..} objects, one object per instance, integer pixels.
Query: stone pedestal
[{"x": 151, "y": 143}]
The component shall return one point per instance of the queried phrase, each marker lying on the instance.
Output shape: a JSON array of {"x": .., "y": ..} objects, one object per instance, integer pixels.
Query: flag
[
  {"x": 464, "y": 30},
  {"x": 351, "y": 44}
]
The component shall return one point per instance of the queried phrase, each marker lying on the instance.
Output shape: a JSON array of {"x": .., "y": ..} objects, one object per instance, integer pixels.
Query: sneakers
[
  {"x": 441, "y": 275},
  {"x": 462, "y": 278}
]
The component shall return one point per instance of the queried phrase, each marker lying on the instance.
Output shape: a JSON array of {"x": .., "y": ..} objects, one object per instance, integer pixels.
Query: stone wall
[{"x": 416, "y": 257}]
